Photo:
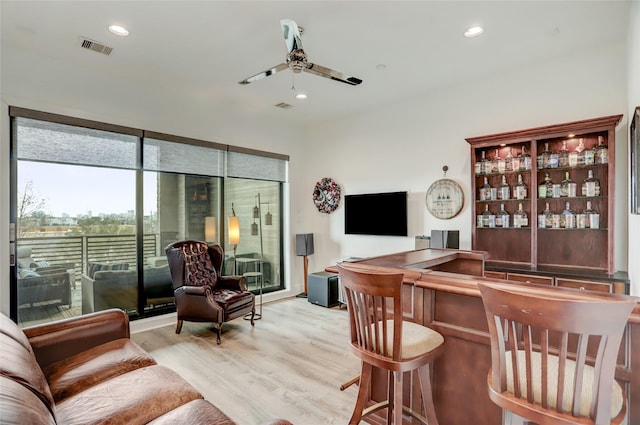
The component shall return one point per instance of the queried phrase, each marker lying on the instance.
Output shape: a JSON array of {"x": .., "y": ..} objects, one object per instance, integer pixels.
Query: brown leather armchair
[{"x": 202, "y": 293}]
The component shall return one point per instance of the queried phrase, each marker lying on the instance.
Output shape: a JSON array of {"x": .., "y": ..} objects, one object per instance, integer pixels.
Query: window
[
  {"x": 75, "y": 214},
  {"x": 96, "y": 204}
]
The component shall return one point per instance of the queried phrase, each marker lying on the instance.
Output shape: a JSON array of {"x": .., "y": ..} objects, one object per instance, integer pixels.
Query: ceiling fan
[{"x": 296, "y": 59}]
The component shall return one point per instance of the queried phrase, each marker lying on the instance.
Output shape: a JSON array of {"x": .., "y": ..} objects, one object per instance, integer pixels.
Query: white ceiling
[{"x": 202, "y": 49}]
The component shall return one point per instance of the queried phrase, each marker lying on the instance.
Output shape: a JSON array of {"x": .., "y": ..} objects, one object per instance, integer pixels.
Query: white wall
[
  {"x": 633, "y": 83},
  {"x": 404, "y": 146}
]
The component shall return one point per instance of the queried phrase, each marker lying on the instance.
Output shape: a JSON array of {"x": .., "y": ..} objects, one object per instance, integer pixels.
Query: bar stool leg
[{"x": 424, "y": 376}]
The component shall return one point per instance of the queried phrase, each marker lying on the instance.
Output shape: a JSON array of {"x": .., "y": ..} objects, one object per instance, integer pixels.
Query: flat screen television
[{"x": 383, "y": 214}]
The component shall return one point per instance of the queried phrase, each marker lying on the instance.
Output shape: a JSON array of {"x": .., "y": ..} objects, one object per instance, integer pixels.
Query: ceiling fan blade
[
  {"x": 291, "y": 34},
  {"x": 264, "y": 74},
  {"x": 322, "y": 71}
]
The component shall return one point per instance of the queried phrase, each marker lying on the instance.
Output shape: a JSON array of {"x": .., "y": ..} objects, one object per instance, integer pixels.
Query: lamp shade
[
  {"x": 234, "y": 230},
  {"x": 304, "y": 244},
  {"x": 210, "y": 226}
]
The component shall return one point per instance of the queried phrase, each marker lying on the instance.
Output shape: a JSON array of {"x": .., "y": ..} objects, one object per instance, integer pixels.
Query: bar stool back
[
  {"x": 562, "y": 352},
  {"x": 381, "y": 338}
]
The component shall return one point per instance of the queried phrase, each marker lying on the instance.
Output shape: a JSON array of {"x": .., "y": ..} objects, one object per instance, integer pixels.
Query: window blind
[
  {"x": 69, "y": 144},
  {"x": 249, "y": 164},
  {"x": 200, "y": 159}
]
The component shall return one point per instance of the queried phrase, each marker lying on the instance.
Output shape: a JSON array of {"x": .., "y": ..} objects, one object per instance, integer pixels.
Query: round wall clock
[
  {"x": 445, "y": 199},
  {"x": 326, "y": 195}
]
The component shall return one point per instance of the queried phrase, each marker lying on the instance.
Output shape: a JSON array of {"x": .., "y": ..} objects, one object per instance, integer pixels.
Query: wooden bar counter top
[{"x": 441, "y": 292}]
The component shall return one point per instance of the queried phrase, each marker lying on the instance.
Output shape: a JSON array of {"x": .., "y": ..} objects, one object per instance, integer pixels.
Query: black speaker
[
  {"x": 323, "y": 289},
  {"x": 304, "y": 244}
]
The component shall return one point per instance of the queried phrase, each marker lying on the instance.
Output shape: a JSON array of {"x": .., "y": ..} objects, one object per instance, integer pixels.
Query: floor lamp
[
  {"x": 304, "y": 248},
  {"x": 256, "y": 229},
  {"x": 234, "y": 235}
]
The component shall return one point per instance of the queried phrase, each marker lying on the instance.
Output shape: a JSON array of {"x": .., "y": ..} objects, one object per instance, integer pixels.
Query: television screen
[{"x": 382, "y": 214}]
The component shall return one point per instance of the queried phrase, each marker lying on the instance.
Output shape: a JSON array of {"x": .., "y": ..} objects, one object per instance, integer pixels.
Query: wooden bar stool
[
  {"x": 561, "y": 350},
  {"x": 382, "y": 339}
]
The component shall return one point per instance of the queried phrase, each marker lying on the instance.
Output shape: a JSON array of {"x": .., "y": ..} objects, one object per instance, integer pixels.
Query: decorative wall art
[
  {"x": 326, "y": 195},
  {"x": 445, "y": 198}
]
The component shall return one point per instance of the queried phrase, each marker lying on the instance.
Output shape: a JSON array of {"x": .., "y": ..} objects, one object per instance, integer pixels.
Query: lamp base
[{"x": 301, "y": 295}]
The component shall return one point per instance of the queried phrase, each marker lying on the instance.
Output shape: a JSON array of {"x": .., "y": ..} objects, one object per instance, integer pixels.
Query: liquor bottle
[
  {"x": 589, "y": 156},
  {"x": 577, "y": 156},
  {"x": 504, "y": 190},
  {"x": 543, "y": 158},
  {"x": 563, "y": 155},
  {"x": 485, "y": 191},
  {"x": 520, "y": 189},
  {"x": 553, "y": 189},
  {"x": 524, "y": 160},
  {"x": 601, "y": 152},
  {"x": 479, "y": 165},
  {"x": 520, "y": 218},
  {"x": 502, "y": 217},
  {"x": 548, "y": 217},
  {"x": 488, "y": 218},
  {"x": 497, "y": 164},
  {"x": 545, "y": 189},
  {"x": 591, "y": 186},
  {"x": 568, "y": 186},
  {"x": 592, "y": 218},
  {"x": 568, "y": 218},
  {"x": 554, "y": 159},
  {"x": 508, "y": 161}
]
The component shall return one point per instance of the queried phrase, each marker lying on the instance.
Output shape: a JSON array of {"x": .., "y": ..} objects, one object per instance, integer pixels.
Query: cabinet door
[
  {"x": 530, "y": 278},
  {"x": 585, "y": 285},
  {"x": 495, "y": 275}
]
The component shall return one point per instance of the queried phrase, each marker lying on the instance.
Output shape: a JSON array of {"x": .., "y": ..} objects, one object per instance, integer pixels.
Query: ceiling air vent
[
  {"x": 283, "y": 105},
  {"x": 89, "y": 44}
]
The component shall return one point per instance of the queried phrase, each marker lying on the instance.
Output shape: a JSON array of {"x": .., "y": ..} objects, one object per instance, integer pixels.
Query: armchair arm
[
  {"x": 192, "y": 290},
  {"x": 232, "y": 282},
  {"x": 57, "y": 340}
]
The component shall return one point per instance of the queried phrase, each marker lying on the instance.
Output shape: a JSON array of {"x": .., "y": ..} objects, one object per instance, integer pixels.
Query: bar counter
[{"x": 441, "y": 292}]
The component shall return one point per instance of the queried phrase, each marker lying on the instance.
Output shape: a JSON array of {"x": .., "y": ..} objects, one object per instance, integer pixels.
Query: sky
[{"x": 76, "y": 190}]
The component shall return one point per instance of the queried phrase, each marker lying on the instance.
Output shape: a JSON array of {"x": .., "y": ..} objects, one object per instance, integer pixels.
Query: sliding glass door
[
  {"x": 95, "y": 205},
  {"x": 75, "y": 220}
]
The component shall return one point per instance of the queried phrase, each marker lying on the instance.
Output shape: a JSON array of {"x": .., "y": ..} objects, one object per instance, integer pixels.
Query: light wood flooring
[{"x": 290, "y": 365}]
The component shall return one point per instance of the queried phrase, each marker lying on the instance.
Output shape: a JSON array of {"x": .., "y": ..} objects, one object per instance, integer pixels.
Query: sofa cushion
[
  {"x": 199, "y": 412},
  {"x": 18, "y": 362},
  {"x": 18, "y": 405},
  {"x": 92, "y": 268},
  {"x": 10, "y": 329},
  {"x": 135, "y": 397},
  {"x": 116, "y": 275},
  {"x": 81, "y": 371},
  {"x": 24, "y": 257},
  {"x": 26, "y": 273}
]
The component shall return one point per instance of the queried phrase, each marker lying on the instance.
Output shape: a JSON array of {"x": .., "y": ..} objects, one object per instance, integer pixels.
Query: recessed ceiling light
[
  {"x": 301, "y": 96},
  {"x": 381, "y": 66},
  {"x": 118, "y": 30},
  {"x": 473, "y": 32}
]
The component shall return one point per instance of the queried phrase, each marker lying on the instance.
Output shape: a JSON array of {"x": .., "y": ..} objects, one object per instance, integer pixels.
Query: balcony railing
[{"x": 82, "y": 250}]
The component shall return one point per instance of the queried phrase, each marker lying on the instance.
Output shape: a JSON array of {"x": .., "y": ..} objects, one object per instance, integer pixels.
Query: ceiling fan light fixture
[
  {"x": 473, "y": 31},
  {"x": 119, "y": 30}
]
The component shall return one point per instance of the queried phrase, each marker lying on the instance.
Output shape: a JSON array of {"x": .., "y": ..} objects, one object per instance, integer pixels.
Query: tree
[{"x": 30, "y": 207}]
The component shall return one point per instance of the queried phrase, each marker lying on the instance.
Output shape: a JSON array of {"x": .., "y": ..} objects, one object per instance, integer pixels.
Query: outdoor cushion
[{"x": 92, "y": 268}]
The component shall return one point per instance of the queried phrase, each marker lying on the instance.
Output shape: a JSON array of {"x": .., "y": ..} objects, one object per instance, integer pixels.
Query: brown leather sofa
[{"x": 86, "y": 370}]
